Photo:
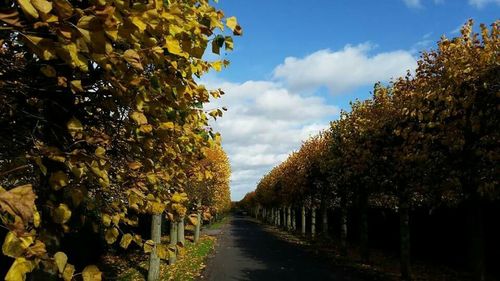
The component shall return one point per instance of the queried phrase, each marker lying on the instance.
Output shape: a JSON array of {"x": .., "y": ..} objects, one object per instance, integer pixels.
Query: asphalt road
[{"x": 246, "y": 251}]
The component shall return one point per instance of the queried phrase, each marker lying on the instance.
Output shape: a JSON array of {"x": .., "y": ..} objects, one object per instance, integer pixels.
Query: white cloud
[
  {"x": 481, "y": 3},
  {"x": 343, "y": 70},
  {"x": 263, "y": 124},
  {"x": 476, "y": 3},
  {"x": 266, "y": 120},
  {"x": 413, "y": 3}
]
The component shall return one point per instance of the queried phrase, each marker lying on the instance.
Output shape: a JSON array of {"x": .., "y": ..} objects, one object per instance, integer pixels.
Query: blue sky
[{"x": 300, "y": 62}]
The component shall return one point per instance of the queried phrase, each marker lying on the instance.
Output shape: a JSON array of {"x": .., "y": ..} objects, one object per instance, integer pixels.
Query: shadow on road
[{"x": 247, "y": 252}]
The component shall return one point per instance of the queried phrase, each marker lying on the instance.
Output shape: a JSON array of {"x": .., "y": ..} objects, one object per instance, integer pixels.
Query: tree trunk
[
  {"x": 289, "y": 218},
  {"x": 477, "y": 239},
  {"x": 303, "y": 220},
  {"x": 197, "y": 228},
  {"x": 343, "y": 230},
  {"x": 363, "y": 207},
  {"x": 324, "y": 220},
  {"x": 180, "y": 232},
  {"x": 404, "y": 226},
  {"x": 154, "y": 260},
  {"x": 173, "y": 242},
  {"x": 278, "y": 217},
  {"x": 294, "y": 220},
  {"x": 313, "y": 221}
]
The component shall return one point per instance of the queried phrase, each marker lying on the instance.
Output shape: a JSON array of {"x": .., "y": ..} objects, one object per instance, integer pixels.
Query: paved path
[{"x": 246, "y": 251}]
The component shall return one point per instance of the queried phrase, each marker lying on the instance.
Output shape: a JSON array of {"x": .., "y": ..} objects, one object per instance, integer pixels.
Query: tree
[{"x": 106, "y": 116}]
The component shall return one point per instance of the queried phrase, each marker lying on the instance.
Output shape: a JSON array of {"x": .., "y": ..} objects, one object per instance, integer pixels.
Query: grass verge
[
  {"x": 189, "y": 265},
  {"x": 218, "y": 224}
]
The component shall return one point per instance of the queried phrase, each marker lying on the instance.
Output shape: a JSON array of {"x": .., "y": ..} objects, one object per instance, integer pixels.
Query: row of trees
[
  {"x": 429, "y": 139},
  {"x": 102, "y": 122}
]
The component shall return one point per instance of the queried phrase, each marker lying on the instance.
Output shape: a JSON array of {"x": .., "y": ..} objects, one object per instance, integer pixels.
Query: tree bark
[
  {"x": 404, "y": 226},
  {"x": 173, "y": 242},
  {"x": 365, "y": 251},
  {"x": 343, "y": 230},
  {"x": 324, "y": 220},
  {"x": 289, "y": 218},
  {"x": 303, "y": 220},
  {"x": 313, "y": 221},
  {"x": 197, "y": 228},
  {"x": 154, "y": 260},
  {"x": 180, "y": 232},
  {"x": 294, "y": 220}
]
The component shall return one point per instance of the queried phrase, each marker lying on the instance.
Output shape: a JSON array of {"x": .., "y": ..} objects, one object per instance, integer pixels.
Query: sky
[{"x": 299, "y": 63}]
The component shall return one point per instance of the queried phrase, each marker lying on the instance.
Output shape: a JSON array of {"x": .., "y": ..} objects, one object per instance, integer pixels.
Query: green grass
[
  {"x": 190, "y": 263},
  {"x": 218, "y": 224}
]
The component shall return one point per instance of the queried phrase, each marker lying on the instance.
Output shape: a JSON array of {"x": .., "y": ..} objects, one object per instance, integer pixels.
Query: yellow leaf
[
  {"x": 36, "y": 219},
  {"x": 139, "y": 23},
  {"x": 133, "y": 58},
  {"x": 106, "y": 219},
  {"x": 193, "y": 219},
  {"x": 139, "y": 118},
  {"x": 61, "y": 260},
  {"x": 48, "y": 71},
  {"x": 232, "y": 23},
  {"x": 91, "y": 273},
  {"x": 228, "y": 43},
  {"x": 111, "y": 235},
  {"x": 68, "y": 273},
  {"x": 217, "y": 65},
  {"x": 134, "y": 165},
  {"x": 74, "y": 126},
  {"x": 43, "y": 6},
  {"x": 19, "y": 202},
  {"x": 126, "y": 239},
  {"x": 14, "y": 246},
  {"x": 116, "y": 219},
  {"x": 76, "y": 86},
  {"x": 176, "y": 198},
  {"x": 146, "y": 128},
  {"x": 162, "y": 252},
  {"x": 148, "y": 246},
  {"x": 157, "y": 208},
  {"x": 63, "y": 8},
  {"x": 173, "y": 46},
  {"x": 28, "y": 9},
  {"x": 99, "y": 151},
  {"x": 58, "y": 180},
  {"x": 61, "y": 214},
  {"x": 19, "y": 269},
  {"x": 167, "y": 126},
  {"x": 42, "y": 47},
  {"x": 151, "y": 178},
  {"x": 70, "y": 54}
]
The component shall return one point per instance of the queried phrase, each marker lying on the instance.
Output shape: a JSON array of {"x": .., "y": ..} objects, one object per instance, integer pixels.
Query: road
[{"x": 247, "y": 251}]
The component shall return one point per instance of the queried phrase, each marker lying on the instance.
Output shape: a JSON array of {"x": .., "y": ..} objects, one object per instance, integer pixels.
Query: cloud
[
  {"x": 344, "y": 70},
  {"x": 481, "y": 3},
  {"x": 423, "y": 44},
  {"x": 413, "y": 3},
  {"x": 266, "y": 120},
  {"x": 263, "y": 124},
  {"x": 476, "y": 3}
]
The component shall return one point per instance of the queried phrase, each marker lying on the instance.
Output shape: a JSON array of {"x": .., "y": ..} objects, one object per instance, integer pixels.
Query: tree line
[
  {"x": 102, "y": 125},
  {"x": 427, "y": 140}
]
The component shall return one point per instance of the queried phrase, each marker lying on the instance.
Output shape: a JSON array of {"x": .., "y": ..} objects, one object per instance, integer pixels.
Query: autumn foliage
[
  {"x": 429, "y": 139},
  {"x": 101, "y": 118}
]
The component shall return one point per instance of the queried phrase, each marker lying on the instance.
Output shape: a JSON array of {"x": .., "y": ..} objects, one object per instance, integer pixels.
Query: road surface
[{"x": 246, "y": 251}]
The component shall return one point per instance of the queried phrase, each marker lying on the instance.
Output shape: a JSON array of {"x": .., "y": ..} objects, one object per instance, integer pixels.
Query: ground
[{"x": 247, "y": 251}]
